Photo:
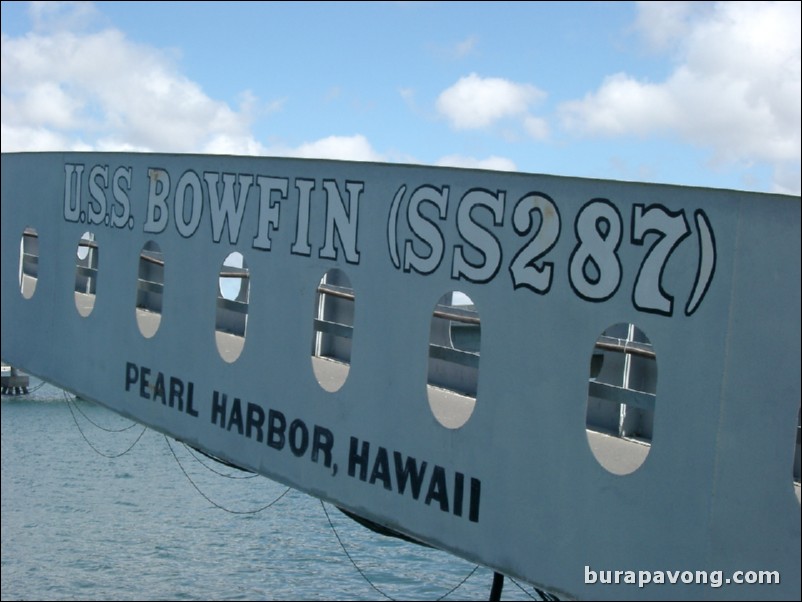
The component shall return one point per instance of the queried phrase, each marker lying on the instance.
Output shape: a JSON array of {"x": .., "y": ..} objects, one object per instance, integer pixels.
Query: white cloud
[
  {"x": 46, "y": 105},
  {"x": 537, "y": 128},
  {"x": 465, "y": 47},
  {"x": 225, "y": 144},
  {"x": 454, "y": 51},
  {"x": 786, "y": 178},
  {"x": 346, "y": 148},
  {"x": 22, "y": 139},
  {"x": 621, "y": 106},
  {"x": 663, "y": 24},
  {"x": 493, "y": 162},
  {"x": 99, "y": 91},
  {"x": 408, "y": 95},
  {"x": 117, "y": 94},
  {"x": 475, "y": 102},
  {"x": 735, "y": 89},
  {"x": 51, "y": 16}
]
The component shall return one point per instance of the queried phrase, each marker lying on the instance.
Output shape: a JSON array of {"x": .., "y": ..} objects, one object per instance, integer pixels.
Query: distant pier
[{"x": 12, "y": 382}]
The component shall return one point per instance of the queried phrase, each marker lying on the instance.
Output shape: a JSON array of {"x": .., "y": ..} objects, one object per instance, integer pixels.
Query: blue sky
[{"x": 691, "y": 93}]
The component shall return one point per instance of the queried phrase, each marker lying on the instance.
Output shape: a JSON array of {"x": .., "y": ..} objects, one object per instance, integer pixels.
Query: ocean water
[{"x": 95, "y": 507}]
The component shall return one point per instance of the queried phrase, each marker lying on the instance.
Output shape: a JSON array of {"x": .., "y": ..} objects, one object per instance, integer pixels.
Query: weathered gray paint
[{"x": 715, "y": 491}]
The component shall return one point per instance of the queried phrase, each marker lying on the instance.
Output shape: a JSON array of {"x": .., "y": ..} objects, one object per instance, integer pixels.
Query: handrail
[
  {"x": 604, "y": 343},
  {"x": 625, "y": 346}
]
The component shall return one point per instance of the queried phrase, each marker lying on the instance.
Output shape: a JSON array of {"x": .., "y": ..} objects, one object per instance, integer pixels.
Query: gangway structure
[{"x": 570, "y": 381}]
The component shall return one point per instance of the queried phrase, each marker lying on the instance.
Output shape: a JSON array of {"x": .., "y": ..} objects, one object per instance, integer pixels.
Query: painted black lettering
[
  {"x": 96, "y": 207},
  {"x": 356, "y": 458},
  {"x": 381, "y": 469},
  {"x": 526, "y": 269},
  {"x": 482, "y": 241},
  {"x": 144, "y": 383},
  {"x": 72, "y": 204},
  {"x": 341, "y": 220},
  {"x": 119, "y": 220},
  {"x": 322, "y": 441},
  {"x": 255, "y": 419},
  {"x": 299, "y": 437},
  {"x": 159, "y": 188},
  {"x": 276, "y": 425},
  {"x": 268, "y": 211},
  {"x": 158, "y": 389},
  {"x": 425, "y": 230},
  {"x": 476, "y": 492},
  {"x": 188, "y": 201},
  {"x": 437, "y": 489},
  {"x": 459, "y": 480},
  {"x": 227, "y": 209},
  {"x": 408, "y": 471},
  {"x": 131, "y": 375},
  {"x": 301, "y": 245},
  {"x": 176, "y": 393},
  {"x": 235, "y": 417},
  {"x": 219, "y": 403}
]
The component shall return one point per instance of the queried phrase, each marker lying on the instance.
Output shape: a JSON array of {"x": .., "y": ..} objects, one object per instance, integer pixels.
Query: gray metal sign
[{"x": 579, "y": 383}]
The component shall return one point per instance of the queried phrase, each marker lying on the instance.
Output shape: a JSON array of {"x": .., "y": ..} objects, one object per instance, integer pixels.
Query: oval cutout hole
[
  {"x": 455, "y": 337},
  {"x": 231, "y": 319},
  {"x": 28, "y": 262},
  {"x": 621, "y": 398},
  {"x": 149, "y": 289},
  {"x": 333, "y": 330},
  {"x": 86, "y": 272}
]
